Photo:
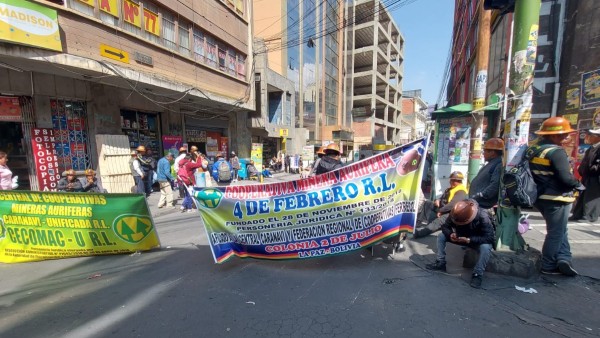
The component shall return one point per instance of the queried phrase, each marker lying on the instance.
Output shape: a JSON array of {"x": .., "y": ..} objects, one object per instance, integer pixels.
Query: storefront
[
  {"x": 15, "y": 112},
  {"x": 208, "y": 134},
  {"x": 142, "y": 129}
]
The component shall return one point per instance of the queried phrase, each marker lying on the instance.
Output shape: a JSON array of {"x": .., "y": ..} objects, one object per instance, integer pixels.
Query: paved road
[{"x": 177, "y": 291}]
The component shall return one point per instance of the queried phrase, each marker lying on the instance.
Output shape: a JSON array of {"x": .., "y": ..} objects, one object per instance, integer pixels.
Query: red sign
[
  {"x": 10, "y": 110},
  {"x": 46, "y": 161}
]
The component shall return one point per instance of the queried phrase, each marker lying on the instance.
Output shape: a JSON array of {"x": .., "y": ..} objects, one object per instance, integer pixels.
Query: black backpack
[{"x": 519, "y": 185}]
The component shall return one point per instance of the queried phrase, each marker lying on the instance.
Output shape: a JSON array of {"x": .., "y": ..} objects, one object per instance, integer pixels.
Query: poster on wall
[
  {"x": 573, "y": 99},
  {"x": 256, "y": 155},
  {"x": 453, "y": 141},
  {"x": 590, "y": 89},
  {"x": 171, "y": 144},
  {"x": 223, "y": 147},
  {"x": 195, "y": 136},
  {"x": 212, "y": 147},
  {"x": 45, "y": 159},
  {"x": 10, "y": 110}
]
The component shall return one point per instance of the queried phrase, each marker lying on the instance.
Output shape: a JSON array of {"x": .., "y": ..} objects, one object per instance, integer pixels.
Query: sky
[{"x": 427, "y": 29}]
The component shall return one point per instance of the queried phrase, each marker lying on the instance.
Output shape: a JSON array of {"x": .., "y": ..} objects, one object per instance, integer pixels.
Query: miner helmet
[
  {"x": 141, "y": 149},
  {"x": 464, "y": 212},
  {"x": 555, "y": 126},
  {"x": 70, "y": 172},
  {"x": 90, "y": 172},
  {"x": 183, "y": 150},
  {"x": 332, "y": 148},
  {"x": 457, "y": 176},
  {"x": 494, "y": 144},
  {"x": 321, "y": 151}
]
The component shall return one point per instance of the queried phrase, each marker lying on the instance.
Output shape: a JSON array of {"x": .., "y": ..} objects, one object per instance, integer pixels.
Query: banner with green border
[
  {"x": 337, "y": 212},
  {"x": 49, "y": 225}
]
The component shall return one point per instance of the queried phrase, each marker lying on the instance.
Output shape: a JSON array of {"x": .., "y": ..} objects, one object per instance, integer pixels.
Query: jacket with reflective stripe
[{"x": 551, "y": 172}]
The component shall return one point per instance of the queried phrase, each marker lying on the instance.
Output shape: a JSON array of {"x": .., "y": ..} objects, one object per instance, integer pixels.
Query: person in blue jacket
[{"x": 224, "y": 176}]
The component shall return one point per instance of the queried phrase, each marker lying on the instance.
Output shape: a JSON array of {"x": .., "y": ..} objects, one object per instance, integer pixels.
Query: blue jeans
[
  {"x": 148, "y": 178},
  {"x": 485, "y": 251},
  {"x": 556, "y": 244},
  {"x": 139, "y": 184}
]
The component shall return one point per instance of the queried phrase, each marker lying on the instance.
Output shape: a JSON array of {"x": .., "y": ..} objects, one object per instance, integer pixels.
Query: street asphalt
[{"x": 178, "y": 291}]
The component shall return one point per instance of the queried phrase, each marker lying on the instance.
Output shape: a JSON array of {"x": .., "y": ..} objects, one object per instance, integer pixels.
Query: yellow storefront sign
[
  {"x": 109, "y": 6},
  {"x": 131, "y": 13},
  {"x": 114, "y": 53},
  {"x": 30, "y": 24}
]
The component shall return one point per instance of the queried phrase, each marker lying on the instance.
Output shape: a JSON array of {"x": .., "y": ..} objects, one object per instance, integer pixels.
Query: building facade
[
  {"x": 304, "y": 43},
  {"x": 415, "y": 113},
  {"x": 161, "y": 72},
  {"x": 464, "y": 59},
  {"x": 374, "y": 56}
]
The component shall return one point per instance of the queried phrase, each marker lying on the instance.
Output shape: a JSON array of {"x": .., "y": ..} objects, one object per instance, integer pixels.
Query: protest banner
[
  {"x": 48, "y": 225},
  {"x": 333, "y": 213}
]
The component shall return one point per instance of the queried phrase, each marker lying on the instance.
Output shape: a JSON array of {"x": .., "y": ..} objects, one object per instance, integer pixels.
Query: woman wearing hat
[{"x": 70, "y": 183}]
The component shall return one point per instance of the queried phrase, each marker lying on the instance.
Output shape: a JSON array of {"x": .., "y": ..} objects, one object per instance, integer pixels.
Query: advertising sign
[
  {"x": 171, "y": 144},
  {"x": 333, "y": 213},
  {"x": 590, "y": 89},
  {"x": 256, "y": 155},
  {"x": 48, "y": 225},
  {"x": 45, "y": 159},
  {"x": 30, "y": 24},
  {"x": 10, "y": 110}
]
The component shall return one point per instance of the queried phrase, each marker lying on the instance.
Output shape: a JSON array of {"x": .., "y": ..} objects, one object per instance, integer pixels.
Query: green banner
[{"x": 48, "y": 225}]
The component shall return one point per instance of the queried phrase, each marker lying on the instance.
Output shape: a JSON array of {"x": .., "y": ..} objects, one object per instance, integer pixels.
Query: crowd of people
[{"x": 470, "y": 221}]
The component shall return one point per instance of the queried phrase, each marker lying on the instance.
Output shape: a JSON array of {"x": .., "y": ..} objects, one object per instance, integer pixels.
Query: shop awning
[{"x": 460, "y": 108}]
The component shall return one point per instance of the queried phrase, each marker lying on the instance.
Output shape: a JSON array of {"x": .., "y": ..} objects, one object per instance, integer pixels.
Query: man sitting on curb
[
  {"x": 471, "y": 226},
  {"x": 456, "y": 192}
]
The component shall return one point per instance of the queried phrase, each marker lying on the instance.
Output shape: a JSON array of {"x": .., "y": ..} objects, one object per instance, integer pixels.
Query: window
[
  {"x": 168, "y": 31},
  {"x": 69, "y": 121},
  {"x": 150, "y": 20},
  {"x": 199, "y": 45},
  {"x": 222, "y": 59},
  {"x": 241, "y": 67},
  {"x": 211, "y": 52},
  {"x": 184, "y": 39}
]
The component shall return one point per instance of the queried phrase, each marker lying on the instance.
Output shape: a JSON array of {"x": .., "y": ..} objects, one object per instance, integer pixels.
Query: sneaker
[
  {"x": 566, "y": 269},
  {"x": 476, "y": 281},
  {"x": 437, "y": 266},
  {"x": 554, "y": 271}
]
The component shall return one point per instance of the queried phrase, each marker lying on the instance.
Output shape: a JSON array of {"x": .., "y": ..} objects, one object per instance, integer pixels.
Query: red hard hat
[{"x": 494, "y": 144}]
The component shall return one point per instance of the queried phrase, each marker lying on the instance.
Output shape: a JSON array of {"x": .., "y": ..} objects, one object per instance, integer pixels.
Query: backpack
[
  {"x": 223, "y": 172},
  {"x": 521, "y": 190}
]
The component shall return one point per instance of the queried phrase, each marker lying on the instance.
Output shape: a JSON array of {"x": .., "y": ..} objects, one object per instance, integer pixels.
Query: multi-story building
[
  {"x": 303, "y": 42},
  {"x": 415, "y": 114},
  {"x": 161, "y": 72},
  {"x": 464, "y": 46},
  {"x": 374, "y": 54}
]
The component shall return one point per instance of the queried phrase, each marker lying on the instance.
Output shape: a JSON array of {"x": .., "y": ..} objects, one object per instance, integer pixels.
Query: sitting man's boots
[
  {"x": 437, "y": 266},
  {"x": 422, "y": 232}
]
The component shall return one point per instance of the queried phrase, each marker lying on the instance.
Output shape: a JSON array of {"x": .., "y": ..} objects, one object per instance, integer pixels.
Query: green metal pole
[{"x": 525, "y": 36}]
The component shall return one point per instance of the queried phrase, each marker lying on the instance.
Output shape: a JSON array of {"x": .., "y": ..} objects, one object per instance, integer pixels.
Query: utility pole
[
  {"x": 483, "y": 57},
  {"x": 525, "y": 36}
]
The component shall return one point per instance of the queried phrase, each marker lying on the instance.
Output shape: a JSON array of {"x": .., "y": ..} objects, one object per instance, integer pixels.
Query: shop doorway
[{"x": 12, "y": 143}]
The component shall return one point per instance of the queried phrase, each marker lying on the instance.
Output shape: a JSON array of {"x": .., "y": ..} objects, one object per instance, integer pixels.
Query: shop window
[
  {"x": 69, "y": 121},
  {"x": 142, "y": 129}
]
